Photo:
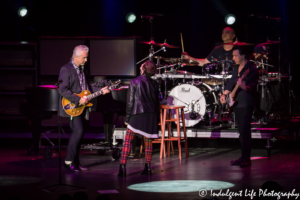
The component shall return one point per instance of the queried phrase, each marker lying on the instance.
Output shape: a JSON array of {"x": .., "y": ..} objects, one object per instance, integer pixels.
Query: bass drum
[{"x": 198, "y": 101}]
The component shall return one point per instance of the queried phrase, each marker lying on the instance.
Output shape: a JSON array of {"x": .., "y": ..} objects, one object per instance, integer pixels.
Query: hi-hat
[{"x": 239, "y": 43}]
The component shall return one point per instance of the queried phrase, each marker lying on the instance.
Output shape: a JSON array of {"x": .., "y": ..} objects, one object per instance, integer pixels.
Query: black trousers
[
  {"x": 77, "y": 131},
  {"x": 243, "y": 118}
]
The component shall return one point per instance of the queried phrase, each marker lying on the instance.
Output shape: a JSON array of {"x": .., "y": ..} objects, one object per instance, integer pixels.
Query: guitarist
[
  {"x": 244, "y": 100},
  {"x": 72, "y": 80}
]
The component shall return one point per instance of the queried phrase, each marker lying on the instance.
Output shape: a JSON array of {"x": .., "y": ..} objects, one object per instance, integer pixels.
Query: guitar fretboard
[{"x": 95, "y": 94}]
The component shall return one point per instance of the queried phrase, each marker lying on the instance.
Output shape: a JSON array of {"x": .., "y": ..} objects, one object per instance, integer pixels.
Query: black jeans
[
  {"x": 76, "y": 125},
  {"x": 243, "y": 118}
]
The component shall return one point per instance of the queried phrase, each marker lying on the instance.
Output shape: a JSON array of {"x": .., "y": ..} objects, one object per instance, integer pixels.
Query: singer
[
  {"x": 142, "y": 112},
  {"x": 73, "y": 80}
]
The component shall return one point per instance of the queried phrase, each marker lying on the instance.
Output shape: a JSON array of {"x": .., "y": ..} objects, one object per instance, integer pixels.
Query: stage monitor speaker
[
  {"x": 113, "y": 57},
  {"x": 56, "y": 52}
]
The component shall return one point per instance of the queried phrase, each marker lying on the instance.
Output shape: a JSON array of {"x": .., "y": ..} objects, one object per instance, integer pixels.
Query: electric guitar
[
  {"x": 231, "y": 97},
  {"x": 74, "y": 111}
]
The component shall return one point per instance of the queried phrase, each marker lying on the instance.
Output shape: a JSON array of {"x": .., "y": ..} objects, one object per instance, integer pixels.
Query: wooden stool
[
  {"x": 168, "y": 120},
  {"x": 157, "y": 140}
]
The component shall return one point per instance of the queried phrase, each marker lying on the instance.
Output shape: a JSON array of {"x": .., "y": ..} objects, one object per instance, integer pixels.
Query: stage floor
[{"x": 207, "y": 168}]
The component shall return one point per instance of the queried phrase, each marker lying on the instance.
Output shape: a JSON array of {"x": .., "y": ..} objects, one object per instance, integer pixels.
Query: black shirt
[
  {"x": 219, "y": 53},
  {"x": 244, "y": 98}
]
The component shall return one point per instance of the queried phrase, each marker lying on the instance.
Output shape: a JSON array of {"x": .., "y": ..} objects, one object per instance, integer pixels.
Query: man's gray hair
[{"x": 79, "y": 49}]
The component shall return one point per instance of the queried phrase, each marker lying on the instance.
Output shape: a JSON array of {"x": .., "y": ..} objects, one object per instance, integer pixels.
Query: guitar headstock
[{"x": 117, "y": 84}]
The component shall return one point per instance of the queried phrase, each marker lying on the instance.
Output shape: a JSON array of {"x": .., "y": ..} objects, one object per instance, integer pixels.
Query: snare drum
[{"x": 198, "y": 100}]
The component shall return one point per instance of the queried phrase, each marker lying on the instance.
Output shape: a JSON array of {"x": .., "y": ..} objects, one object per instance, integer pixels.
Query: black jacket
[
  {"x": 244, "y": 98},
  {"x": 70, "y": 84},
  {"x": 142, "y": 97}
]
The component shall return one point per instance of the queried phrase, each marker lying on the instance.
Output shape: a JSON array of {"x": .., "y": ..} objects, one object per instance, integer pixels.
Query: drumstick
[{"x": 182, "y": 42}]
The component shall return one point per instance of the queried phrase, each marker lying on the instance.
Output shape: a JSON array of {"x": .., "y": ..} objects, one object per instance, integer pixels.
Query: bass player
[{"x": 242, "y": 85}]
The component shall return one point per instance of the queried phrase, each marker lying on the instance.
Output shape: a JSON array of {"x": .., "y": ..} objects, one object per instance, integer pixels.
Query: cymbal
[
  {"x": 159, "y": 57},
  {"x": 184, "y": 72},
  {"x": 151, "y": 42},
  {"x": 168, "y": 46},
  {"x": 270, "y": 42},
  {"x": 239, "y": 43},
  {"x": 213, "y": 81}
]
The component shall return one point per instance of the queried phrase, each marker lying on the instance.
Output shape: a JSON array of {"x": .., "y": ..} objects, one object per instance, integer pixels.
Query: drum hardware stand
[
  {"x": 151, "y": 54},
  {"x": 165, "y": 67}
]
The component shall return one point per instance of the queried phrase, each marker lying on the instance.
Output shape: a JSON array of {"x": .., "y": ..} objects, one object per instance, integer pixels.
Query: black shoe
[
  {"x": 236, "y": 162},
  {"x": 71, "y": 167},
  {"x": 122, "y": 170},
  {"x": 245, "y": 163},
  {"x": 147, "y": 171},
  {"x": 82, "y": 168}
]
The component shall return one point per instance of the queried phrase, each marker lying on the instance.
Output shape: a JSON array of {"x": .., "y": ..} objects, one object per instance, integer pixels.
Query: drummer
[{"x": 222, "y": 52}]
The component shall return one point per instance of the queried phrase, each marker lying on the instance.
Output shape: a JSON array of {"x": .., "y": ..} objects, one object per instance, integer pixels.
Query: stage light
[
  {"x": 230, "y": 19},
  {"x": 22, "y": 12},
  {"x": 180, "y": 186},
  {"x": 130, "y": 18}
]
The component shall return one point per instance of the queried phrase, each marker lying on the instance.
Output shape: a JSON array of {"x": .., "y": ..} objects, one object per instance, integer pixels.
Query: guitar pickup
[{"x": 68, "y": 106}]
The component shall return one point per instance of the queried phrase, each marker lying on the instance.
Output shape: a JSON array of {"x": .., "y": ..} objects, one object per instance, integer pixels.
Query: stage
[
  {"x": 26, "y": 176},
  {"x": 208, "y": 167}
]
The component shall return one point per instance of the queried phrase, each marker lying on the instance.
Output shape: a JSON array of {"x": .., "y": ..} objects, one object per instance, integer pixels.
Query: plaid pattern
[{"x": 127, "y": 147}]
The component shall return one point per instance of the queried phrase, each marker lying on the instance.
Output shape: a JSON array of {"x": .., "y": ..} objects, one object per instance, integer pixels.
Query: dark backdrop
[{"x": 200, "y": 22}]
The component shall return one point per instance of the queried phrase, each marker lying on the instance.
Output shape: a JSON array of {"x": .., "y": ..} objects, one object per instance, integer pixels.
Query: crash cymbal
[
  {"x": 168, "y": 46},
  {"x": 239, "y": 43},
  {"x": 270, "y": 42},
  {"x": 151, "y": 42}
]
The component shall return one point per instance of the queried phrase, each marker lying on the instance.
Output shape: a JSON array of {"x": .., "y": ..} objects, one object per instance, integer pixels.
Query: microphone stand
[
  {"x": 151, "y": 54},
  {"x": 55, "y": 186},
  {"x": 165, "y": 67}
]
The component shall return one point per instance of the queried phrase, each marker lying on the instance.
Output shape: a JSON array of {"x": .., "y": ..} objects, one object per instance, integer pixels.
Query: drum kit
[{"x": 199, "y": 93}]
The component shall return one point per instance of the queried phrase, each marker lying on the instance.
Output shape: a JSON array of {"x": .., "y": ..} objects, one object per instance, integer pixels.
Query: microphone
[
  {"x": 58, "y": 82},
  {"x": 146, "y": 17}
]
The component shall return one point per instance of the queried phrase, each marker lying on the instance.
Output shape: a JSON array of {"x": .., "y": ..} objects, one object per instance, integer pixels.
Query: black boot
[
  {"x": 147, "y": 171},
  {"x": 122, "y": 170}
]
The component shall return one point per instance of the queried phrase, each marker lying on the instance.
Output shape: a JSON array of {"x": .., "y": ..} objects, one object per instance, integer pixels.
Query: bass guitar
[
  {"x": 231, "y": 97},
  {"x": 74, "y": 111}
]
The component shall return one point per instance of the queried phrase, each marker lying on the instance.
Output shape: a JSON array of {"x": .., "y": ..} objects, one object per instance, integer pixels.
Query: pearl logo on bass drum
[{"x": 184, "y": 90}]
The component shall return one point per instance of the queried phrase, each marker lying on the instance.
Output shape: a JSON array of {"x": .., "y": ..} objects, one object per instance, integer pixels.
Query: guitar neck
[
  {"x": 234, "y": 90},
  {"x": 237, "y": 86},
  {"x": 96, "y": 94}
]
